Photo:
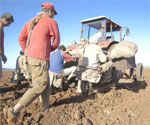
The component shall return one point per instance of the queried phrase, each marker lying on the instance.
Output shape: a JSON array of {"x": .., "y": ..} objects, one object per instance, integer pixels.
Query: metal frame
[{"x": 109, "y": 25}]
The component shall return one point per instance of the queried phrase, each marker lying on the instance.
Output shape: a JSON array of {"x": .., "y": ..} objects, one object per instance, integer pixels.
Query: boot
[{"x": 9, "y": 116}]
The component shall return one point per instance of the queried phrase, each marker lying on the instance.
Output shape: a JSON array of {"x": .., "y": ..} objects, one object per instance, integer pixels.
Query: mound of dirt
[{"x": 126, "y": 104}]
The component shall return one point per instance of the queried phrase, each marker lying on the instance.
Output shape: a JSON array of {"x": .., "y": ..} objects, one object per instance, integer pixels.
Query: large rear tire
[{"x": 139, "y": 72}]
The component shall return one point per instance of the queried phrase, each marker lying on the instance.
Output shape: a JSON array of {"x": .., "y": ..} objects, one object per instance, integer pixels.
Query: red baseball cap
[{"x": 48, "y": 5}]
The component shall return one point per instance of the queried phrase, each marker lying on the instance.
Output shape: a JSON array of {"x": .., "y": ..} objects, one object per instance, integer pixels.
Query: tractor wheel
[{"x": 139, "y": 72}]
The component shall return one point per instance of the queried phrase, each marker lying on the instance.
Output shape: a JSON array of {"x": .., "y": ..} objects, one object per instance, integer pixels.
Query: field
[{"x": 127, "y": 104}]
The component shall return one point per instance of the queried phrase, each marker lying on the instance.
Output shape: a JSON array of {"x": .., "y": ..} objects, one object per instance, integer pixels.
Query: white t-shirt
[{"x": 95, "y": 37}]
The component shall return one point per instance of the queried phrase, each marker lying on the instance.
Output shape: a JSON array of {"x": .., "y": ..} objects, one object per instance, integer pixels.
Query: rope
[{"x": 30, "y": 29}]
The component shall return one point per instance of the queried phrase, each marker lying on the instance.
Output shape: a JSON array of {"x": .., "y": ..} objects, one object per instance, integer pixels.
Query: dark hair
[
  {"x": 62, "y": 47},
  {"x": 8, "y": 17}
]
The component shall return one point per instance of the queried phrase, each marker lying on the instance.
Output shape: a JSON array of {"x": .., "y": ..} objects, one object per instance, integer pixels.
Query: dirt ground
[{"x": 127, "y": 104}]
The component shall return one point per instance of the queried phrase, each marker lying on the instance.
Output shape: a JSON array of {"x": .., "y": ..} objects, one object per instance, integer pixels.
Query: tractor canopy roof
[{"x": 96, "y": 21}]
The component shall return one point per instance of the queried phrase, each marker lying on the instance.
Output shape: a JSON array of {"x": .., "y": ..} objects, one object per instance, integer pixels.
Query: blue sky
[{"x": 134, "y": 14}]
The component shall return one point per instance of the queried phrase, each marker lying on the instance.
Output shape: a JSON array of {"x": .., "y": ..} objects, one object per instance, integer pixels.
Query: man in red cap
[
  {"x": 5, "y": 20},
  {"x": 35, "y": 40}
]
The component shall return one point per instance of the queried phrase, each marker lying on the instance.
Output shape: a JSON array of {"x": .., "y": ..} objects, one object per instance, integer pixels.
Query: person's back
[
  {"x": 40, "y": 46},
  {"x": 93, "y": 55},
  {"x": 56, "y": 62}
]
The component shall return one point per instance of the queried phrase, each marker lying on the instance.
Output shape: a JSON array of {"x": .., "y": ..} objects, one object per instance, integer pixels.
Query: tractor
[{"x": 112, "y": 34}]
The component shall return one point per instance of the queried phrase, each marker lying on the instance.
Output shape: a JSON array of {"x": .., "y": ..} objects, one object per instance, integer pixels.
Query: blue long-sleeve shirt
[{"x": 56, "y": 61}]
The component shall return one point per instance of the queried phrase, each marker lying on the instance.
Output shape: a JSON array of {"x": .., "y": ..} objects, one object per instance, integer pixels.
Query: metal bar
[
  {"x": 82, "y": 35},
  {"x": 111, "y": 31},
  {"x": 105, "y": 30},
  {"x": 89, "y": 32},
  {"x": 120, "y": 34}
]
